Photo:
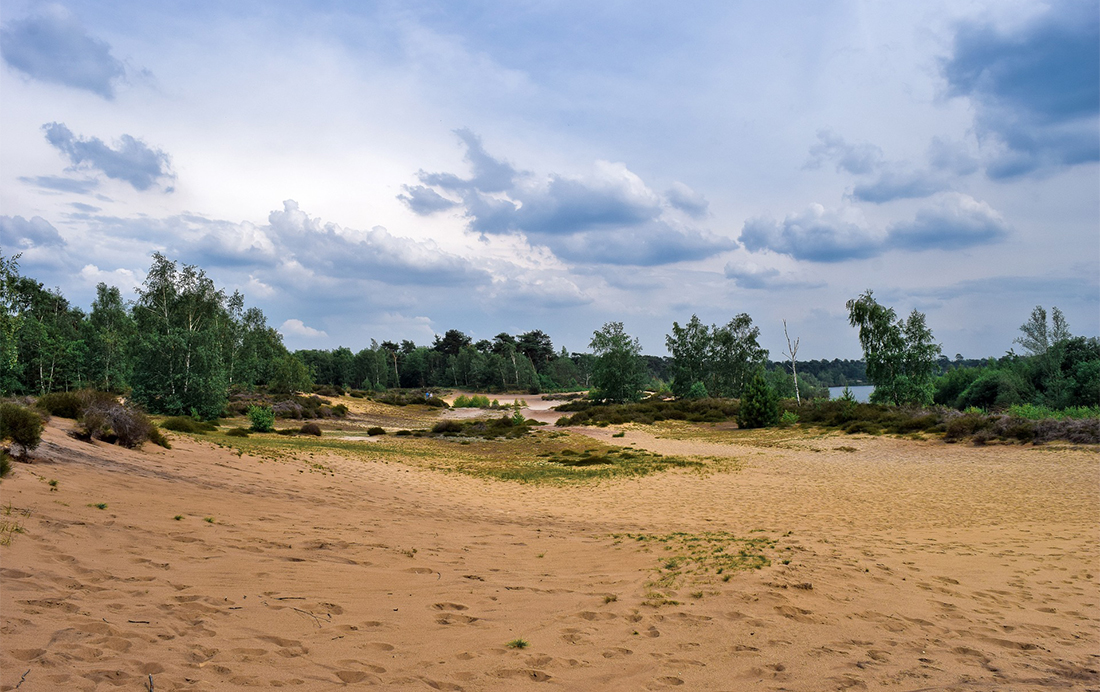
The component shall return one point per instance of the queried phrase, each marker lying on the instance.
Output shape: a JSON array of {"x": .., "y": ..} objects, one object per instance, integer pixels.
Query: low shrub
[
  {"x": 5, "y": 463},
  {"x": 113, "y": 422},
  {"x": 287, "y": 431},
  {"x": 447, "y": 426},
  {"x": 20, "y": 425},
  {"x": 861, "y": 426},
  {"x": 186, "y": 424},
  {"x": 310, "y": 429},
  {"x": 375, "y": 430},
  {"x": 237, "y": 432},
  {"x": 648, "y": 411},
  {"x": 61, "y": 404},
  {"x": 262, "y": 418}
]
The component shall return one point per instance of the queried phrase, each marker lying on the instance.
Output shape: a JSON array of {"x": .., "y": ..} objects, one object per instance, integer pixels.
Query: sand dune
[{"x": 893, "y": 564}]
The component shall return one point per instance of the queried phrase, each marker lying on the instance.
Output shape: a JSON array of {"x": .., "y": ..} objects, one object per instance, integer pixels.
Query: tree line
[{"x": 182, "y": 345}]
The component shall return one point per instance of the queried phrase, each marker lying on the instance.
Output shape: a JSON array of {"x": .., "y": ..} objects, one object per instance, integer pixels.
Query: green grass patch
[{"x": 697, "y": 558}]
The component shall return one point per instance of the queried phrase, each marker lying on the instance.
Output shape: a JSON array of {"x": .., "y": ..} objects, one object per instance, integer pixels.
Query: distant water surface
[{"x": 862, "y": 393}]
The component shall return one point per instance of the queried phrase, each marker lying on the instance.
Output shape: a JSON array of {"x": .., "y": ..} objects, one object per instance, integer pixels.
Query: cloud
[
  {"x": 608, "y": 216},
  {"x": 687, "y": 200},
  {"x": 133, "y": 161},
  {"x": 55, "y": 48},
  {"x": 60, "y": 184},
  {"x": 1035, "y": 88},
  {"x": 954, "y": 157},
  {"x": 958, "y": 222},
  {"x": 754, "y": 276},
  {"x": 85, "y": 208},
  {"x": 123, "y": 278},
  {"x": 424, "y": 200},
  {"x": 38, "y": 232},
  {"x": 896, "y": 183},
  {"x": 815, "y": 235},
  {"x": 858, "y": 159},
  {"x": 293, "y": 327}
]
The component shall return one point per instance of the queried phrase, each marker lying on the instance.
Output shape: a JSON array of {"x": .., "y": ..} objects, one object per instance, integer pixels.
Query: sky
[{"x": 392, "y": 170}]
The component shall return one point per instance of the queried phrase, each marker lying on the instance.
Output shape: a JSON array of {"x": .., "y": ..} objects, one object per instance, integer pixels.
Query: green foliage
[
  {"x": 237, "y": 432},
  {"x": 900, "y": 355},
  {"x": 290, "y": 376},
  {"x": 648, "y": 411},
  {"x": 697, "y": 391},
  {"x": 619, "y": 374},
  {"x": 759, "y": 405},
  {"x": 1035, "y": 412},
  {"x": 20, "y": 425},
  {"x": 179, "y": 365},
  {"x": 720, "y": 357},
  {"x": 994, "y": 389},
  {"x": 61, "y": 404},
  {"x": 788, "y": 418},
  {"x": 262, "y": 418},
  {"x": 475, "y": 401}
]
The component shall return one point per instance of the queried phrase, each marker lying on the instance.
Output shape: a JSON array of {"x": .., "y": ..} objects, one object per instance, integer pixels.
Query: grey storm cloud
[
  {"x": 55, "y": 48},
  {"x": 1036, "y": 88},
  {"x": 817, "y": 235},
  {"x": 610, "y": 217},
  {"x": 21, "y": 233},
  {"x": 133, "y": 161}
]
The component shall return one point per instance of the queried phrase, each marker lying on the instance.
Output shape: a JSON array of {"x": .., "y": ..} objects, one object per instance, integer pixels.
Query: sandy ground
[{"x": 910, "y": 566}]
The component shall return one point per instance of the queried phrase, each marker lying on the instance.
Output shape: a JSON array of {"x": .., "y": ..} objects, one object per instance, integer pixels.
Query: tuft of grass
[
  {"x": 518, "y": 644},
  {"x": 208, "y": 520},
  {"x": 178, "y": 517},
  {"x": 98, "y": 505},
  {"x": 610, "y": 598},
  {"x": 698, "y": 559},
  {"x": 52, "y": 483}
]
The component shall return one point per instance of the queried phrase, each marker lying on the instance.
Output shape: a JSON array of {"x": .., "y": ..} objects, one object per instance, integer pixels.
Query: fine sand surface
[{"x": 912, "y": 565}]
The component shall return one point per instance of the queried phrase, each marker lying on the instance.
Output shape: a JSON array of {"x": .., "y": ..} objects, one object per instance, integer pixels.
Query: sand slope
[{"x": 912, "y": 566}]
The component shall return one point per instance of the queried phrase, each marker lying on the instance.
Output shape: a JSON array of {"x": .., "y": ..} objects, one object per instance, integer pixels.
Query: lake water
[{"x": 862, "y": 393}]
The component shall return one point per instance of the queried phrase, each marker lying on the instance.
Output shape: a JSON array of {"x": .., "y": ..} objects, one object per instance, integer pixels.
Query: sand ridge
[{"x": 909, "y": 565}]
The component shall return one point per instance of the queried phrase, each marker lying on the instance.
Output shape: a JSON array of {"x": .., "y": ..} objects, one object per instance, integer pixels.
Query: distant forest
[{"x": 184, "y": 345}]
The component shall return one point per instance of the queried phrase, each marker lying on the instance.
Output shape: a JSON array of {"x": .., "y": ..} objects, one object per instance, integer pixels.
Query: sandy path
[{"x": 912, "y": 565}]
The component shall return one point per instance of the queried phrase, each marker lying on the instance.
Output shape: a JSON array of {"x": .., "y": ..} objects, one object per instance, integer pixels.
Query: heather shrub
[
  {"x": 184, "y": 424},
  {"x": 310, "y": 429},
  {"x": 237, "y": 432},
  {"x": 20, "y": 425},
  {"x": 61, "y": 404},
  {"x": 376, "y": 431},
  {"x": 447, "y": 426},
  {"x": 113, "y": 422}
]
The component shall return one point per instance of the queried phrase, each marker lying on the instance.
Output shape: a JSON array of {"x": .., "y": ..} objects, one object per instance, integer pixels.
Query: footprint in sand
[
  {"x": 617, "y": 652},
  {"x": 351, "y": 677},
  {"x": 449, "y": 606},
  {"x": 379, "y": 646}
]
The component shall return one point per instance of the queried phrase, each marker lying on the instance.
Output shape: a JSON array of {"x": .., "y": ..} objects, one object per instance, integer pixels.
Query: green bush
[
  {"x": 759, "y": 405},
  {"x": 447, "y": 426},
  {"x": 61, "y": 404},
  {"x": 237, "y": 432},
  {"x": 262, "y": 418},
  {"x": 698, "y": 391},
  {"x": 788, "y": 418},
  {"x": 310, "y": 429},
  {"x": 20, "y": 425}
]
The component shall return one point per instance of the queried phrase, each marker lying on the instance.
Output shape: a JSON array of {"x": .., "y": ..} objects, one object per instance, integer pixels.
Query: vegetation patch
[
  {"x": 697, "y": 558},
  {"x": 649, "y": 411},
  {"x": 185, "y": 424}
]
